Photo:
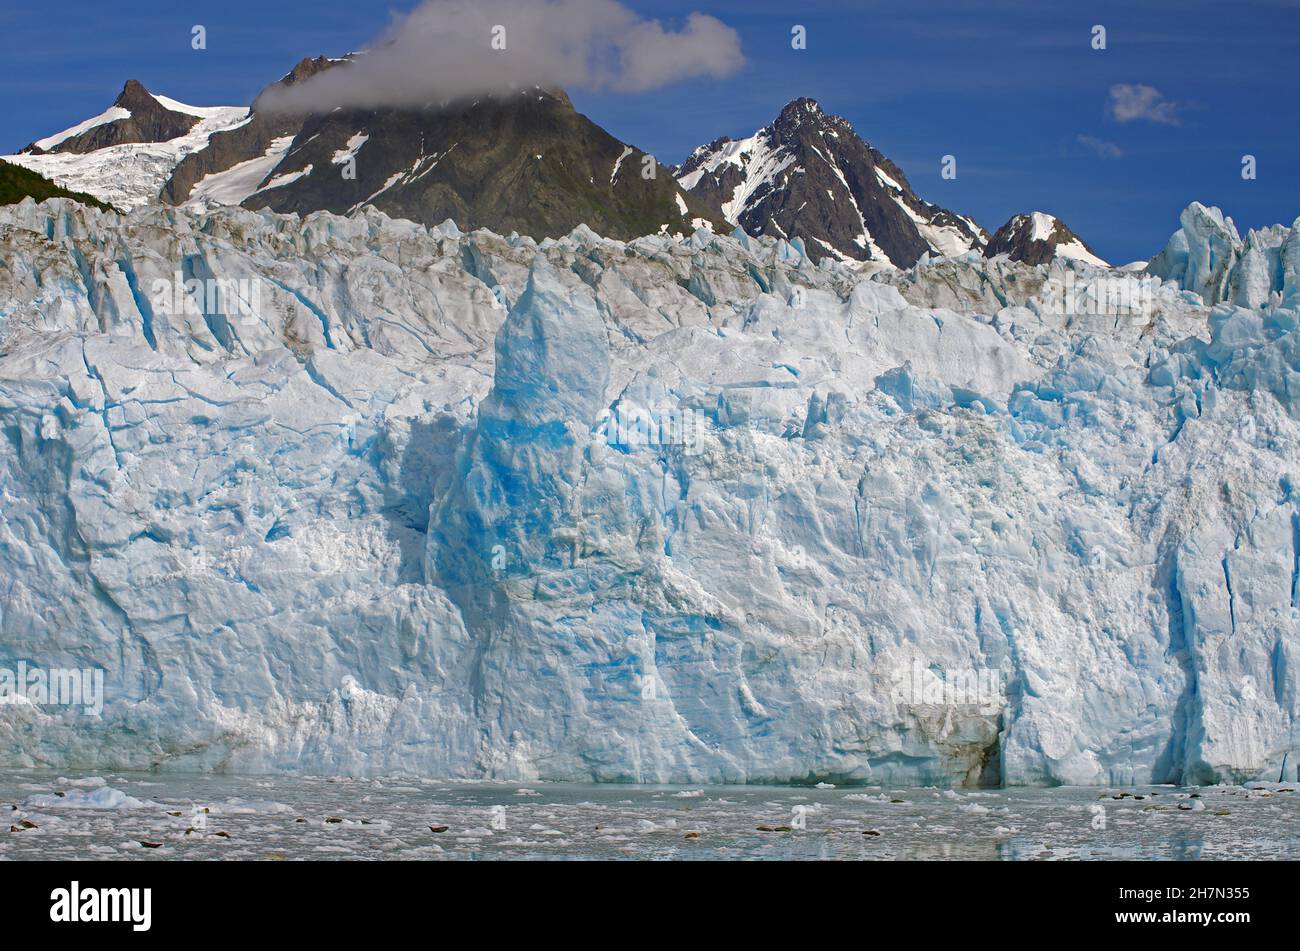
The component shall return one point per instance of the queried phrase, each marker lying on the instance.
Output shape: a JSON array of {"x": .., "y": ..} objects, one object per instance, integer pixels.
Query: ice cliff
[
  {"x": 463, "y": 505},
  {"x": 1207, "y": 256}
]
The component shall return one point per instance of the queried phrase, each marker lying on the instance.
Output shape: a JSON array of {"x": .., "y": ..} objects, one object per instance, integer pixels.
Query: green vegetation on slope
[{"x": 16, "y": 183}]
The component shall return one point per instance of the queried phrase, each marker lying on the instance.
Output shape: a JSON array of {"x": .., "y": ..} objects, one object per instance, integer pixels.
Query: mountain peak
[
  {"x": 806, "y": 116},
  {"x": 558, "y": 94},
  {"x": 810, "y": 175},
  {"x": 1037, "y": 237},
  {"x": 134, "y": 95},
  {"x": 520, "y": 160},
  {"x": 303, "y": 70},
  {"x": 800, "y": 108},
  {"x": 135, "y": 116}
]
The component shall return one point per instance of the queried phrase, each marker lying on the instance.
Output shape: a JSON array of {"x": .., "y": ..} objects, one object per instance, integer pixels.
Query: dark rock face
[
  {"x": 525, "y": 162},
  {"x": 250, "y": 140},
  {"x": 810, "y": 175},
  {"x": 150, "y": 121},
  {"x": 1022, "y": 239}
]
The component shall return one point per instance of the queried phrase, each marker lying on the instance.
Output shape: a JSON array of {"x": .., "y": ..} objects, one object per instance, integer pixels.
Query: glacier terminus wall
[{"x": 352, "y": 495}]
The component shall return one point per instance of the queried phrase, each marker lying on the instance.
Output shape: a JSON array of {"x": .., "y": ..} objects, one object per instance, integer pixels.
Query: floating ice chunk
[{"x": 102, "y": 797}]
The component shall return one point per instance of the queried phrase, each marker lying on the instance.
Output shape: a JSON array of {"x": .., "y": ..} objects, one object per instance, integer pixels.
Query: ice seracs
[
  {"x": 391, "y": 522},
  {"x": 1208, "y": 257}
]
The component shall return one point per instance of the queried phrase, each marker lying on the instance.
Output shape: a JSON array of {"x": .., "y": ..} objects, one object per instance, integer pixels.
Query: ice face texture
[
  {"x": 680, "y": 509},
  {"x": 1208, "y": 257}
]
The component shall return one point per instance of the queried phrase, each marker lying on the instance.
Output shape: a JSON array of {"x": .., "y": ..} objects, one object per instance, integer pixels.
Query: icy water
[{"x": 150, "y": 817}]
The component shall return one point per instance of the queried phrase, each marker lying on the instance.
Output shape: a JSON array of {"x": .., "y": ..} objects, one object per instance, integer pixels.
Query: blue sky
[{"x": 1012, "y": 88}]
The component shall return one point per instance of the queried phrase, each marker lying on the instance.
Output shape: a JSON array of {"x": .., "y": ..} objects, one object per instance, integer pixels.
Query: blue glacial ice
[{"x": 393, "y": 518}]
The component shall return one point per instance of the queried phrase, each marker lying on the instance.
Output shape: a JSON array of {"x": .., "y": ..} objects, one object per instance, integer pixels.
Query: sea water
[{"x": 166, "y": 816}]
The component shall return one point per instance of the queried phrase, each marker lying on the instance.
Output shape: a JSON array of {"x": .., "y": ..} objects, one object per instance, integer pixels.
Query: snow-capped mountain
[
  {"x": 1037, "y": 238},
  {"x": 124, "y": 155},
  {"x": 387, "y": 499},
  {"x": 136, "y": 116},
  {"x": 525, "y": 162},
  {"x": 384, "y": 490},
  {"x": 236, "y": 162},
  {"x": 810, "y": 175}
]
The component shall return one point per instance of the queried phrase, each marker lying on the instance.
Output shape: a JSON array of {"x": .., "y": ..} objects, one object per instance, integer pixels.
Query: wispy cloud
[
  {"x": 1100, "y": 147},
  {"x": 445, "y": 49},
  {"x": 1133, "y": 102}
]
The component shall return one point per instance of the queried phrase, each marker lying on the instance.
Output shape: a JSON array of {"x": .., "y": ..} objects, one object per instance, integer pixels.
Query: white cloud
[
  {"x": 444, "y": 50},
  {"x": 1128, "y": 103},
  {"x": 1100, "y": 147}
]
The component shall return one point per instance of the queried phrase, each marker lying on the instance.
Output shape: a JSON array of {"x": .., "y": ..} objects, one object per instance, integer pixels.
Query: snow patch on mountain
[
  {"x": 946, "y": 240},
  {"x": 237, "y": 183},
  {"x": 349, "y": 151},
  {"x": 758, "y": 163},
  {"x": 1041, "y": 226},
  {"x": 111, "y": 114},
  {"x": 288, "y": 178},
  {"x": 1079, "y": 252},
  {"x": 132, "y": 174},
  {"x": 618, "y": 162}
]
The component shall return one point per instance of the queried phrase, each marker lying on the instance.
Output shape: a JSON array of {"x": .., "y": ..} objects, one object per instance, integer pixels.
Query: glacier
[
  {"x": 1208, "y": 257},
  {"x": 131, "y": 175},
  {"x": 388, "y": 517}
]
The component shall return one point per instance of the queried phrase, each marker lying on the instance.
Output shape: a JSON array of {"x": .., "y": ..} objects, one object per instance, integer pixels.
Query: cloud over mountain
[{"x": 447, "y": 49}]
